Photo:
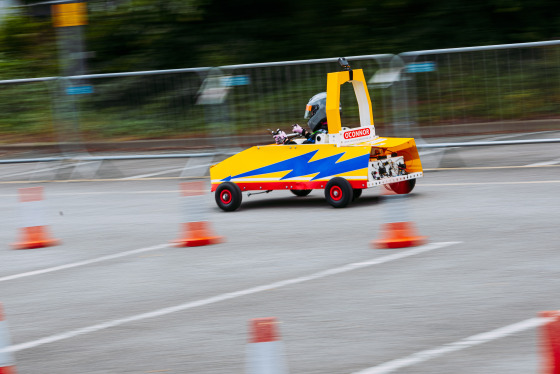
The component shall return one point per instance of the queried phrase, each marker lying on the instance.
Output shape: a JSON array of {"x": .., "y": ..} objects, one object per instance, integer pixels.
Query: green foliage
[
  {"x": 27, "y": 48},
  {"x": 164, "y": 34},
  {"x": 26, "y": 112}
]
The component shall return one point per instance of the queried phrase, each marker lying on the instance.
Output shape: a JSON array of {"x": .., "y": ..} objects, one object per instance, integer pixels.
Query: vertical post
[
  {"x": 69, "y": 18},
  {"x": 400, "y": 100},
  {"x": 212, "y": 95}
]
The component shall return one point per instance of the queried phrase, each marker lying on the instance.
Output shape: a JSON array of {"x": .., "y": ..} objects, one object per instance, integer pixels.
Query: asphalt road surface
[{"x": 116, "y": 297}]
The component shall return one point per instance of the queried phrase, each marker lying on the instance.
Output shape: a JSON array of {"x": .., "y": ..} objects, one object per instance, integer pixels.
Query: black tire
[
  {"x": 228, "y": 196},
  {"x": 339, "y": 192},
  {"x": 404, "y": 187},
  {"x": 301, "y": 193},
  {"x": 357, "y": 193}
]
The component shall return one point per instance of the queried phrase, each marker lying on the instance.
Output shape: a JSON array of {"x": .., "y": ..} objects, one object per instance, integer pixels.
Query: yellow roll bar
[{"x": 334, "y": 81}]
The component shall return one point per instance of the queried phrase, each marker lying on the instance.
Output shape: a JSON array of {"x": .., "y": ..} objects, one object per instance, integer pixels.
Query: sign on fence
[
  {"x": 70, "y": 14},
  {"x": 235, "y": 80},
  {"x": 79, "y": 90},
  {"x": 421, "y": 67},
  {"x": 215, "y": 89}
]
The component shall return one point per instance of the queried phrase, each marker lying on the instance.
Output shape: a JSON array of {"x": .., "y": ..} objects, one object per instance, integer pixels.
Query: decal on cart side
[
  {"x": 302, "y": 166},
  {"x": 302, "y": 163}
]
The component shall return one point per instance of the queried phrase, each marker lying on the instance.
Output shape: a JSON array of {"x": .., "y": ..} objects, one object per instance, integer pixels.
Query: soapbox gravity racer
[{"x": 343, "y": 162}]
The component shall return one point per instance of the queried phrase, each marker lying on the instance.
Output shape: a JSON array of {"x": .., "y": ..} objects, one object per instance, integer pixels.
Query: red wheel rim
[
  {"x": 336, "y": 193},
  {"x": 225, "y": 197}
]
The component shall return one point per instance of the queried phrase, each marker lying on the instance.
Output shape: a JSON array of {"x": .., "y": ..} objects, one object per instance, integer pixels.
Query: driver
[{"x": 315, "y": 113}]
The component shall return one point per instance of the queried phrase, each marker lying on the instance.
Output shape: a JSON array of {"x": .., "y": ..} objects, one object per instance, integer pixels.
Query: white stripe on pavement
[
  {"x": 227, "y": 296},
  {"x": 545, "y": 163},
  {"x": 516, "y": 135},
  {"x": 425, "y": 153},
  {"x": 422, "y": 356},
  {"x": 37, "y": 171},
  {"x": 82, "y": 263},
  {"x": 167, "y": 171},
  {"x": 174, "y": 170}
]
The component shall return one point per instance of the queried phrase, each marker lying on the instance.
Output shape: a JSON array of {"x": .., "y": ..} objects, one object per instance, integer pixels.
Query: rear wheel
[
  {"x": 228, "y": 196},
  {"x": 404, "y": 187},
  {"x": 357, "y": 193},
  {"x": 301, "y": 193},
  {"x": 339, "y": 192}
]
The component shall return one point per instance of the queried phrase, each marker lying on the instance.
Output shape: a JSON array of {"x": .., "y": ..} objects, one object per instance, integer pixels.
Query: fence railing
[
  {"x": 449, "y": 92},
  {"x": 26, "y": 107},
  {"x": 483, "y": 90},
  {"x": 139, "y": 105},
  {"x": 275, "y": 94}
]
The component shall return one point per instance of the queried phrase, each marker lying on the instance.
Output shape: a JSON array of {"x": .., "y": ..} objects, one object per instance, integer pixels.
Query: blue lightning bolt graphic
[
  {"x": 332, "y": 168},
  {"x": 300, "y": 166}
]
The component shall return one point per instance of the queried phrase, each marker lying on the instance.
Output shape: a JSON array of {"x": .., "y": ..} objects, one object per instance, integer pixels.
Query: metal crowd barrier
[
  {"x": 210, "y": 108},
  {"x": 27, "y": 106},
  {"x": 273, "y": 95},
  {"x": 444, "y": 93},
  {"x": 497, "y": 89},
  {"x": 143, "y": 104}
]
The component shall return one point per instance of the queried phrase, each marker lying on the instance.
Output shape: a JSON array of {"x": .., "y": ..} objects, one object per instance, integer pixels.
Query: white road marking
[
  {"x": 440, "y": 150},
  {"x": 138, "y": 179},
  {"x": 515, "y": 135},
  {"x": 425, "y": 153},
  {"x": 488, "y": 167},
  {"x": 226, "y": 296},
  {"x": 116, "y": 192},
  {"x": 174, "y": 170},
  {"x": 164, "y": 172},
  {"x": 422, "y": 356},
  {"x": 99, "y": 193},
  {"x": 545, "y": 163},
  {"x": 488, "y": 183},
  {"x": 83, "y": 263},
  {"x": 36, "y": 171}
]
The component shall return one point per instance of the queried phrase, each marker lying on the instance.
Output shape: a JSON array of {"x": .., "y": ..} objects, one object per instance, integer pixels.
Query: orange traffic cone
[
  {"x": 550, "y": 342},
  {"x": 196, "y": 228},
  {"x": 399, "y": 235},
  {"x": 397, "y": 231},
  {"x": 265, "y": 352},
  {"x": 34, "y": 233},
  {"x": 6, "y": 359}
]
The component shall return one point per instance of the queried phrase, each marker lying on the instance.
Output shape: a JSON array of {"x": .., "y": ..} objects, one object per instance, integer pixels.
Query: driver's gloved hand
[
  {"x": 280, "y": 138},
  {"x": 297, "y": 129}
]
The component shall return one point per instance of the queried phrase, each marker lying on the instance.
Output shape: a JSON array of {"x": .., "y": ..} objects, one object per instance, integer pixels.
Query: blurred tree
[
  {"x": 144, "y": 34},
  {"x": 27, "y": 47},
  {"x": 131, "y": 35}
]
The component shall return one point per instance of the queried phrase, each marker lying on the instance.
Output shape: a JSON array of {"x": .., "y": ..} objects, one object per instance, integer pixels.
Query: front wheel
[
  {"x": 301, "y": 193},
  {"x": 404, "y": 187},
  {"x": 228, "y": 196},
  {"x": 339, "y": 192}
]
